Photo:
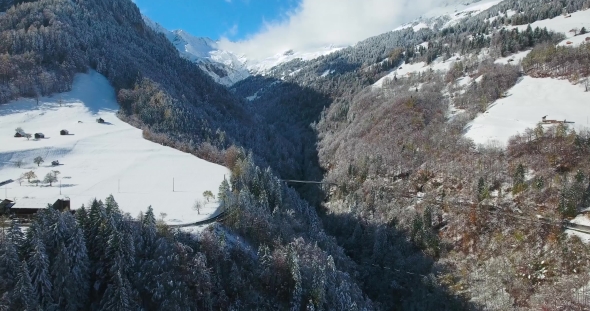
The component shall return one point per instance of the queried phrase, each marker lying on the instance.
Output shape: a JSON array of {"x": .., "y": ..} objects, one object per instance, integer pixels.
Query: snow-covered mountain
[
  {"x": 264, "y": 65},
  {"x": 224, "y": 67},
  {"x": 449, "y": 13}
]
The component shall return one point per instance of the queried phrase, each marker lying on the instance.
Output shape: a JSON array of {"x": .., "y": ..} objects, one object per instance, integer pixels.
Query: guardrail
[{"x": 207, "y": 221}]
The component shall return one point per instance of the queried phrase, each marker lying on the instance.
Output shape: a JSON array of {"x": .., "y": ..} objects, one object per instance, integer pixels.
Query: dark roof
[
  {"x": 6, "y": 182},
  {"x": 5, "y": 206},
  {"x": 6, "y": 202}
]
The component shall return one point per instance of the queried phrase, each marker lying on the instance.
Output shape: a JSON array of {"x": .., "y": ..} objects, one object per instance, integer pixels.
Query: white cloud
[
  {"x": 319, "y": 23},
  {"x": 233, "y": 30}
]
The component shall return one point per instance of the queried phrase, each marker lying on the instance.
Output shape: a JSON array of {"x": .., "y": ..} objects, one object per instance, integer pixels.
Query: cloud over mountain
[{"x": 318, "y": 23}]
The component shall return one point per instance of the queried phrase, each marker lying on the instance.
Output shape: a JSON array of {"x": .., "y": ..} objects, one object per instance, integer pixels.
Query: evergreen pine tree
[
  {"x": 15, "y": 234},
  {"x": 293, "y": 263},
  {"x": 60, "y": 273},
  {"x": 38, "y": 263},
  {"x": 24, "y": 296},
  {"x": 518, "y": 179},
  {"x": 8, "y": 261},
  {"x": 78, "y": 277},
  {"x": 117, "y": 296},
  {"x": 149, "y": 231}
]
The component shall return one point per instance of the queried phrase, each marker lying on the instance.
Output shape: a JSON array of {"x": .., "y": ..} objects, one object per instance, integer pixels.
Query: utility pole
[{"x": 172, "y": 184}]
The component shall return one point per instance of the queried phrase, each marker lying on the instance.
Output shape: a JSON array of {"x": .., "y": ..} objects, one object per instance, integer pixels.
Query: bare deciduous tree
[
  {"x": 18, "y": 163},
  {"x": 38, "y": 160},
  {"x": 198, "y": 206},
  {"x": 29, "y": 175},
  {"x": 50, "y": 178},
  {"x": 208, "y": 195}
]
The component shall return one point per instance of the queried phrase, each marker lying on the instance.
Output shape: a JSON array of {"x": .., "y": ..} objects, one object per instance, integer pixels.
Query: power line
[{"x": 307, "y": 182}]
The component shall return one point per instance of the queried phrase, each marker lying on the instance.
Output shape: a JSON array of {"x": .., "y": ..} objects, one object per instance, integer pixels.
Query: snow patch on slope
[
  {"x": 514, "y": 58},
  {"x": 564, "y": 25},
  {"x": 263, "y": 66},
  {"x": 450, "y": 13},
  {"x": 409, "y": 69},
  {"x": 100, "y": 159},
  {"x": 527, "y": 102}
]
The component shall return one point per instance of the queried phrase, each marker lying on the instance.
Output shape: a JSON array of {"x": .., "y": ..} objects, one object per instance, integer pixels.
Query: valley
[{"x": 447, "y": 163}]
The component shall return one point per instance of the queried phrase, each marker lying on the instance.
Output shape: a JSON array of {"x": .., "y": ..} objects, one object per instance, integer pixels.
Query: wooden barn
[
  {"x": 19, "y": 134},
  {"x": 100, "y": 120},
  {"x": 7, "y": 209},
  {"x": 64, "y": 132},
  {"x": 62, "y": 205},
  {"x": 39, "y": 135}
]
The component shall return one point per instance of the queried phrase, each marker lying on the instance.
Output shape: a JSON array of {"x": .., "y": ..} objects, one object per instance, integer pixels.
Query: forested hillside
[
  {"x": 409, "y": 183},
  {"x": 412, "y": 215}
]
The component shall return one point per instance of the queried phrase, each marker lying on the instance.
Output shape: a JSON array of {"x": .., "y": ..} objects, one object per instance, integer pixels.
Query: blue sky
[
  {"x": 263, "y": 28},
  {"x": 232, "y": 19}
]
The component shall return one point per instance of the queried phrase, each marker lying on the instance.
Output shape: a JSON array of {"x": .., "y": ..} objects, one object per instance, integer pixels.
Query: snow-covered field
[
  {"x": 407, "y": 69},
  {"x": 527, "y": 102},
  {"x": 516, "y": 58},
  {"x": 564, "y": 25},
  {"x": 97, "y": 160}
]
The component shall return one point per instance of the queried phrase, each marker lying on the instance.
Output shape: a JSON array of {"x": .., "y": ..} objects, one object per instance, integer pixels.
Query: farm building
[
  {"x": 19, "y": 134},
  {"x": 100, "y": 120},
  {"x": 5, "y": 206},
  {"x": 62, "y": 205},
  {"x": 39, "y": 135},
  {"x": 64, "y": 132}
]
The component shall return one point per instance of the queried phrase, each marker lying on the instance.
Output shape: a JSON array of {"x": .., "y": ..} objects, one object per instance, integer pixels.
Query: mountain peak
[{"x": 223, "y": 66}]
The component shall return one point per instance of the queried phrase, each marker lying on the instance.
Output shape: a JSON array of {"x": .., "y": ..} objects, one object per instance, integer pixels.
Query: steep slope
[
  {"x": 524, "y": 106},
  {"x": 403, "y": 170},
  {"x": 44, "y": 44},
  {"x": 97, "y": 160}
]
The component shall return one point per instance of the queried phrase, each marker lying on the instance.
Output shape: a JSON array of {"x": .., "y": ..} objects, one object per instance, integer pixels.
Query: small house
[
  {"x": 569, "y": 42},
  {"x": 100, "y": 120},
  {"x": 39, "y": 135},
  {"x": 19, "y": 134},
  {"x": 64, "y": 132}
]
